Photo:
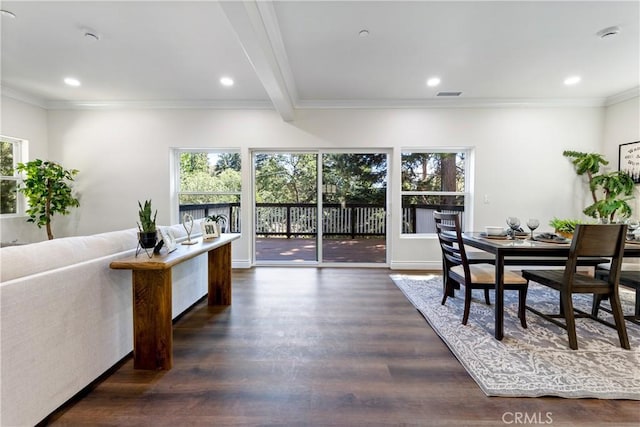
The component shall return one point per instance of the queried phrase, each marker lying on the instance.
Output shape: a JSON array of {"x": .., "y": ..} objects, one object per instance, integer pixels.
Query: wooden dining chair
[
  {"x": 588, "y": 240},
  {"x": 473, "y": 257},
  {"x": 458, "y": 269},
  {"x": 629, "y": 277}
]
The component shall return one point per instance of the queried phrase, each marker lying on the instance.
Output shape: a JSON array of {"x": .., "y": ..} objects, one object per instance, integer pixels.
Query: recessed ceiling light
[
  {"x": 71, "y": 81},
  {"x": 7, "y": 13},
  {"x": 608, "y": 32},
  {"x": 433, "y": 81},
  {"x": 572, "y": 80},
  {"x": 364, "y": 33},
  {"x": 226, "y": 81}
]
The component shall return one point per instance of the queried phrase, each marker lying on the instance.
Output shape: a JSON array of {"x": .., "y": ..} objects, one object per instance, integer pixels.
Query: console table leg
[
  {"x": 152, "y": 326},
  {"x": 220, "y": 276}
]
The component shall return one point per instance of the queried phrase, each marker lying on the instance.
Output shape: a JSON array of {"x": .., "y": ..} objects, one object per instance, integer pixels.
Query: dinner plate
[
  {"x": 557, "y": 239},
  {"x": 494, "y": 237}
]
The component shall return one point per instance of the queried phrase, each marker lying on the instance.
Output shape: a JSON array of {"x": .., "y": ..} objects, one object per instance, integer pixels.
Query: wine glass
[
  {"x": 513, "y": 223},
  {"x": 532, "y": 223}
]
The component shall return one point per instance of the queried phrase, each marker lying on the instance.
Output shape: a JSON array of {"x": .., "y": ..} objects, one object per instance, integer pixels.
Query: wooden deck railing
[{"x": 300, "y": 219}]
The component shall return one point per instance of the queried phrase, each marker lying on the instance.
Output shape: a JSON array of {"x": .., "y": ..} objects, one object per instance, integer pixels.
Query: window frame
[
  {"x": 466, "y": 194},
  {"x": 20, "y": 151},
  {"x": 175, "y": 181}
]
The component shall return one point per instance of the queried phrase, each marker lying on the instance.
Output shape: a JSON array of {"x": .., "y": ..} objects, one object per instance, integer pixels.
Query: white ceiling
[{"x": 303, "y": 54}]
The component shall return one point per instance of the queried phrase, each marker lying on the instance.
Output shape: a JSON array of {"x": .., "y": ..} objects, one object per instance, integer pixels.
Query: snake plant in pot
[{"x": 147, "y": 232}]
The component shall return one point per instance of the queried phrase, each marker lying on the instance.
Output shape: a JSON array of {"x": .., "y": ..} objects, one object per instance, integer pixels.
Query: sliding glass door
[
  {"x": 354, "y": 214},
  {"x": 320, "y": 207}
]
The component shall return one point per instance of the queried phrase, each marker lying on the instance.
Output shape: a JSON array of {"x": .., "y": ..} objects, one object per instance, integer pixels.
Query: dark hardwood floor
[{"x": 306, "y": 346}]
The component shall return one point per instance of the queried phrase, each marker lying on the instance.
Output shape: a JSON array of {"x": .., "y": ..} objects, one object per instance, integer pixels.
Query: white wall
[
  {"x": 123, "y": 157},
  {"x": 24, "y": 121},
  {"x": 622, "y": 125}
]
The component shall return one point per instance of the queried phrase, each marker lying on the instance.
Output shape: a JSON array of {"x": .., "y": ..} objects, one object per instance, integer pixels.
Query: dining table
[{"x": 524, "y": 252}]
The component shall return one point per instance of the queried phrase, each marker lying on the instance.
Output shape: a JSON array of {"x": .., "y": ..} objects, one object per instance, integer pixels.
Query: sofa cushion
[
  {"x": 24, "y": 260},
  {"x": 33, "y": 258}
]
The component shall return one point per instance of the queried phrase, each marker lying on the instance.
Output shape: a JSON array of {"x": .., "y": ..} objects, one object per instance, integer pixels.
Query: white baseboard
[
  {"x": 416, "y": 265},
  {"x": 241, "y": 263}
]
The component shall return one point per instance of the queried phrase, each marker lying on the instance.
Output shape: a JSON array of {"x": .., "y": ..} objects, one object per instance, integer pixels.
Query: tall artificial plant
[
  {"x": 610, "y": 191},
  {"x": 47, "y": 187}
]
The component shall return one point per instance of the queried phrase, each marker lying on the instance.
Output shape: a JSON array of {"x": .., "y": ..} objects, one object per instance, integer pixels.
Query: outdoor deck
[{"x": 361, "y": 250}]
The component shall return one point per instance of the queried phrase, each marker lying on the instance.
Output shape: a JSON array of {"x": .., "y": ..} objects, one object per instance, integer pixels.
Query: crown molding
[
  {"x": 160, "y": 105},
  {"x": 324, "y": 104},
  {"x": 24, "y": 97},
  {"x": 634, "y": 92},
  {"x": 450, "y": 103}
]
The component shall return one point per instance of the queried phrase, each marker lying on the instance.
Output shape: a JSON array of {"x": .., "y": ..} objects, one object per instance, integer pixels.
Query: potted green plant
[
  {"x": 147, "y": 232},
  {"x": 47, "y": 187},
  {"x": 564, "y": 227},
  {"x": 610, "y": 191}
]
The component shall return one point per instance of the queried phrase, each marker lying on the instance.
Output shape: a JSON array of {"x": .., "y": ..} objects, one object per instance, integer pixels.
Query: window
[
  {"x": 11, "y": 153},
  {"x": 209, "y": 183},
  {"x": 431, "y": 181}
]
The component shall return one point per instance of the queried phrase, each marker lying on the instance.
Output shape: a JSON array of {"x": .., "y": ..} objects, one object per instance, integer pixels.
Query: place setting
[
  {"x": 514, "y": 232},
  {"x": 633, "y": 232}
]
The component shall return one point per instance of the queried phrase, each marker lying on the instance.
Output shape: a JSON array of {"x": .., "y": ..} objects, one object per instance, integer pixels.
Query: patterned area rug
[{"x": 535, "y": 361}]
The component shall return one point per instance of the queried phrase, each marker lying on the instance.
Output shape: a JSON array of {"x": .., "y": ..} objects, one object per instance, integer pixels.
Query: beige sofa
[{"x": 66, "y": 317}]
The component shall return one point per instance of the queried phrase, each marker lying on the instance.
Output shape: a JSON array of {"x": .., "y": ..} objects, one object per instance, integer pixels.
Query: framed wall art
[{"x": 629, "y": 160}]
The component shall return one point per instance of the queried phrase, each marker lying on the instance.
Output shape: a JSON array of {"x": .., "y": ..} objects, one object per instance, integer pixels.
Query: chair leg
[
  {"x": 467, "y": 304},
  {"x": 447, "y": 286},
  {"x": 597, "y": 299},
  {"x": 445, "y": 291},
  {"x": 567, "y": 306},
  {"x": 448, "y": 289},
  {"x": 616, "y": 309},
  {"x": 522, "y": 306},
  {"x": 486, "y": 296}
]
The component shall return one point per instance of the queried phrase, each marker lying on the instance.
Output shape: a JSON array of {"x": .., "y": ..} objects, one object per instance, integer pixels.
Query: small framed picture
[
  {"x": 629, "y": 160},
  {"x": 169, "y": 239},
  {"x": 210, "y": 230}
]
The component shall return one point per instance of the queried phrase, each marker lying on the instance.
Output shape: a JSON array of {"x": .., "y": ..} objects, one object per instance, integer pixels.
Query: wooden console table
[{"x": 152, "y": 312}]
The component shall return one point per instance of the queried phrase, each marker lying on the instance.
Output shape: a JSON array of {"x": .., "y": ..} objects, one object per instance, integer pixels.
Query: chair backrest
[
  {"x": 450, "y": 238},
  {"x": 597, "y": 240}
]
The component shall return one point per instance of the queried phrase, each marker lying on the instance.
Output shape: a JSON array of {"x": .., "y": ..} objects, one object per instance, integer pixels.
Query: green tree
[
  {"x": 47, "y": 187},
  {"x": 228, "y": 161},
  {"x": 7, "y": 187},
  {"x": 286, "y": 178},
  {"x": 358, "y": 178},
  {"x": 194, "y": 162},
  {"x": 433, "y": 172},
  {"x": 207, "y": 173}
]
